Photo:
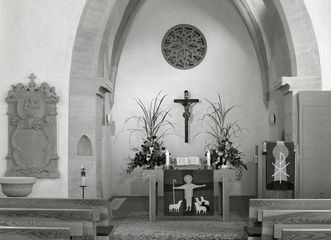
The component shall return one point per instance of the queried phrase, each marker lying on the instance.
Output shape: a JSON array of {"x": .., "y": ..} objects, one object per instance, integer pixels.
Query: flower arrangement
[
  {"x": 152, "y": 125},
  {"x": 150, "y": 154},
  {"x": 222, "y": 151},
  {"x": 226, "y": 153}
]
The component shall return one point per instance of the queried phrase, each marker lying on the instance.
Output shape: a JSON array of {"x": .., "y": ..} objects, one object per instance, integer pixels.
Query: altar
[{"x": 220, "y": 180}]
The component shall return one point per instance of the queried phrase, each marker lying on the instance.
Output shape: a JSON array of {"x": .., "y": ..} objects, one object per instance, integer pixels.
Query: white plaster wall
[
  {"x": 319, "y": 11},
  {"x": 230, "y": 68},
  {"x": 37, "y": 36}
]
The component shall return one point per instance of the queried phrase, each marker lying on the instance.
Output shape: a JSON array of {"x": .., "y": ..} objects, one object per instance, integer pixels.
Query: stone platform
[{"x": 137, "y": 227}]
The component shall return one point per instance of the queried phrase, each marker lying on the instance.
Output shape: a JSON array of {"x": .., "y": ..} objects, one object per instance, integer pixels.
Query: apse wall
[
  {"x": 37, "y": 36},
  {"x": 319, "y": 11},
  {"x": 230, "y": 68}
]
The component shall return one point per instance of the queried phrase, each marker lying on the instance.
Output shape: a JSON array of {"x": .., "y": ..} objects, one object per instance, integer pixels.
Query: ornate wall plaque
[
  {"x": 184, "y": 46},
  {"x": 32, "y": 146}
]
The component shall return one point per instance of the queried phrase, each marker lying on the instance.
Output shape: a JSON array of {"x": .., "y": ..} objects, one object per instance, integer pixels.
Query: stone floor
[{"x": 130, "y": 220}]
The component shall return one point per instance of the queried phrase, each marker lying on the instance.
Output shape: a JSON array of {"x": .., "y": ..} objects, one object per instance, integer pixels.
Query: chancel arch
[{"x": 99, "y": 44}]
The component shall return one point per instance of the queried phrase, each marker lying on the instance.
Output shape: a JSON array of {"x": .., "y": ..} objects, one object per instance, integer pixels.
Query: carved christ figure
[
  {"x": 186, "y": 102},
  {"x": 188, "y": 188}
]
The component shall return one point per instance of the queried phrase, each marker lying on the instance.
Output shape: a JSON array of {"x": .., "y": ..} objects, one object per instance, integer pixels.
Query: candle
[
  {"x": 151, "y": 149},
  {"x": 82, "y": 176},
  {"x": 208, "y": 158},
  {"x": 167, "y": 157}
]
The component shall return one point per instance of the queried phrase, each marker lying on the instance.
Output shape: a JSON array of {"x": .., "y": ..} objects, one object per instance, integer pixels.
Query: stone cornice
[{"x": 296, "y": 84}]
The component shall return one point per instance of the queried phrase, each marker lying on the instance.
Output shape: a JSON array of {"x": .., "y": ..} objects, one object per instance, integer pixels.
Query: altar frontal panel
[{"x": 188, "y": 192}]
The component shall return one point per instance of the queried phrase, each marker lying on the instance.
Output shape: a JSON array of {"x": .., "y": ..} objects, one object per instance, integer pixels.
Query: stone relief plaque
[
  {"x": 184, "y": 46},
  {"x": 32, "y": 146}
]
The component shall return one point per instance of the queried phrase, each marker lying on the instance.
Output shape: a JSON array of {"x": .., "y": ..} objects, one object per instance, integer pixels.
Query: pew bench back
[
  {"x": 34, "y": 233},
  {"x": 256, "y": 206},
  {"x": 51, "y": 217},
  {"x": 99, "y": 205},
  {"x": 279, "y": 228},
  {"x": 306, "y": 234},
  {"x": 76, "y": 228},
  {"x": 273, "y": 217}
]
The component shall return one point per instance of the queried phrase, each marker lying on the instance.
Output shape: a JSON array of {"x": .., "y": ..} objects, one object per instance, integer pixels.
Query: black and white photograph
[{"x": 165, "y": 119}]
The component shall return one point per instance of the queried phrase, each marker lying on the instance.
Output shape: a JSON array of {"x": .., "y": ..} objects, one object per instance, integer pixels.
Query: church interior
[{"x": 165, "y": 119}]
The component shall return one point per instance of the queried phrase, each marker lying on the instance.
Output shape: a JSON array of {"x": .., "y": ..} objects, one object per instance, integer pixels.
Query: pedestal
[{"x": 222, "y": 178}]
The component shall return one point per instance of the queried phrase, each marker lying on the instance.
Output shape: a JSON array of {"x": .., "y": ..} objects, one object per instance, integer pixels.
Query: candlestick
[
  {"x": 82, "y": 176},
  {"x": 82, "y": 180},
  {"x": 264, "y": 147},
  {"x": 151, "y": 150},
  {"x": 208, "y": 158},
  {"x": 167, "y": 158}
]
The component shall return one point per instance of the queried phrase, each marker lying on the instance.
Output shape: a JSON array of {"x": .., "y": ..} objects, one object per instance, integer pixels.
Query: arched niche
[{"x": 84, "y": 147}]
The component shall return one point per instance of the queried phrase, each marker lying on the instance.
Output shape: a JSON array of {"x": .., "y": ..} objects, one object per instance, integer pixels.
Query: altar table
[{"x": 221, "y": 178}]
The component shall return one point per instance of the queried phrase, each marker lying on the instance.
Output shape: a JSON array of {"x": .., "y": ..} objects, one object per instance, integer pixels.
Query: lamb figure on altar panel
[
  {"x": 199, "y": 208},
  {"x": 188, "y": 190},
  {"x": 175, "y": 207},
  {"x": 202, "y": 203}
]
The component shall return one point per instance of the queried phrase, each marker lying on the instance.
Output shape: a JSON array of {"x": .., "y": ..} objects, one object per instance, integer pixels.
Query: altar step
[
  {"x": 239, "y": 206},
  {"x": 116, "y": 203},
  {"x": 130, "y": 220},
  {"x": 138, "y": 227}
]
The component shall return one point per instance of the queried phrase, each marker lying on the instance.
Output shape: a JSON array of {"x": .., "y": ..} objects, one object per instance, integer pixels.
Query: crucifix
[
  {"x": 32, "y": 77},
  {"x": 186, "y": 102}
]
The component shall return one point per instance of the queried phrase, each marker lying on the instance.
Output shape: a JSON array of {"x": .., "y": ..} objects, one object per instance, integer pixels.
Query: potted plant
[
  {"x": 152, "y": 125},
  {"x": 223, "y": 153}
]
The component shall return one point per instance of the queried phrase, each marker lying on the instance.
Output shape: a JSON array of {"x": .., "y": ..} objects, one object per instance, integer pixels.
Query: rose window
[{"x": 184, "y": 46}]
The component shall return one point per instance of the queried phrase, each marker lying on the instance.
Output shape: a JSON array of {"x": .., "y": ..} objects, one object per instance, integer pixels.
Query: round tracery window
[{"x": 184, "y": 46}]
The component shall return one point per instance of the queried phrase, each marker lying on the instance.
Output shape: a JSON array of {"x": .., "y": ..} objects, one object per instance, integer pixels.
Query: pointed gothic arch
[{"x": 102, "y": 30}]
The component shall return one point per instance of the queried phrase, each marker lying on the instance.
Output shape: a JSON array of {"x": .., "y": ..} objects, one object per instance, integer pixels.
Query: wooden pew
[
  {"x": 272, "y": 217},
  {"x": 76, "y": 228},
  {"x": 52, "y": 217},
  {"x": 256, "y": 206},
  {"x": 34, "y": 233},
  {"x": 98, "y": 205},
  {"x": 279, "y": 228},
  {"x": 306, "y": 234}
]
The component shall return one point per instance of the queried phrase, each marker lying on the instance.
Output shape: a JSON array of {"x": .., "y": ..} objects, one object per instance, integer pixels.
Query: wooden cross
[{"x": 186, "y": 102}]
